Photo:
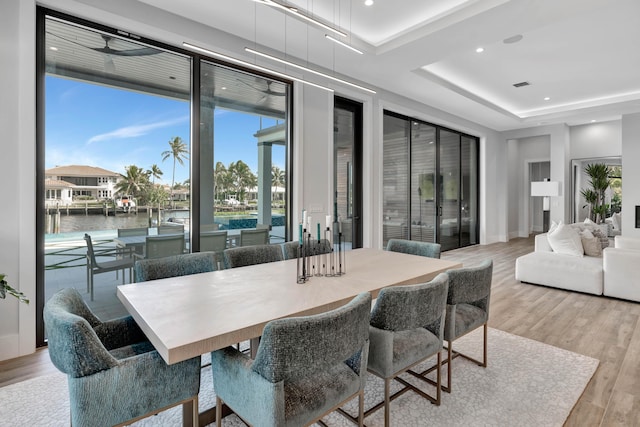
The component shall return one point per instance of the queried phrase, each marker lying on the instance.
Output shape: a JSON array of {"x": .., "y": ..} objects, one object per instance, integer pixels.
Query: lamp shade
[{"x": 545, "y": 188}]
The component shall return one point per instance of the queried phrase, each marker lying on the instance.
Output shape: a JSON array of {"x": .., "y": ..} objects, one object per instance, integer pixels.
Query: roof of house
[
  {"x": 79, "y": 170},
  {"x": 57, "y": 183}
]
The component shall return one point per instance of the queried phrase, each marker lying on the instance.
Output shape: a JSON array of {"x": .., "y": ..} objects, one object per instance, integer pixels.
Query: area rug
[{"x": 527, "y": 383}]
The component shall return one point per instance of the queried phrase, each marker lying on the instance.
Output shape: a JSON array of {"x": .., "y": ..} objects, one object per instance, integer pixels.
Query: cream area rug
[{"x": 526, "y": 383}]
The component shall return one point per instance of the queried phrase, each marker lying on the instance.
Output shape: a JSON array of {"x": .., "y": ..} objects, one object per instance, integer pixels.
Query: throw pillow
[
  {"x": 565, "y": 240},
  {"x": 590, "y": 244},
  {"x": 553, "y": 226},
  {"x": 599, "y": 234},
  {"x": 589, "y": 221}
]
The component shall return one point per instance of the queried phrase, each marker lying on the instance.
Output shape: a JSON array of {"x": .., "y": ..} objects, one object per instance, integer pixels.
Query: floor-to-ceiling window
[
  {"x": 430, "y": 183},
  {"x": 124, "y": 154}
]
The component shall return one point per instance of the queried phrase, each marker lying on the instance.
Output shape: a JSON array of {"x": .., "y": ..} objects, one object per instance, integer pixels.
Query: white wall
[
  {"x": 313, "y": 128},
  {"x": 596, "y": 140},
  {"x": 630, "y": 173}
]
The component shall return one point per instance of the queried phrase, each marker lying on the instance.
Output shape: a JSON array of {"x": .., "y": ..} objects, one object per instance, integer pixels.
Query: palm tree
[
  {"x": 178, "y": 150},
  {"x": 134, "y": 182},
  {"x": 220, "y": 179},
  {"x": 156, "y": 172},
  {"x": 242, "y": 178},
  {"x": 277, "y": 178}
]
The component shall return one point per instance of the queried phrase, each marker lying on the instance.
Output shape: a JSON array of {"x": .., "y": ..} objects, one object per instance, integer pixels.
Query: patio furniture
[
  {"x": 305, "y": 367},
  {"x": 170, "y": 229},
  {"x": 163, "y": 246},
  {"x": 259, "y": 236},
  {"x": 115, "y": 376},
  {"x": 214, "y": 241},
  {"x": 94, "y": 267}
]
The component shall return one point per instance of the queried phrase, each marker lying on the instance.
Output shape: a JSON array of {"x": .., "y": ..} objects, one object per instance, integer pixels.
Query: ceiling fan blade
[{"x": 109, "y": 65}]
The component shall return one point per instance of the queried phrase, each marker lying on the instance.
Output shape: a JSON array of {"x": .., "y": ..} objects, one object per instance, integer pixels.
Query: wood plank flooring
[{"x": 603, "y": 328}]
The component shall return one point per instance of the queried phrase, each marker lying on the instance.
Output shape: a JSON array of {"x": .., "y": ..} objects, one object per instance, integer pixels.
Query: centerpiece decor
[{"x": 312, "y": 261}]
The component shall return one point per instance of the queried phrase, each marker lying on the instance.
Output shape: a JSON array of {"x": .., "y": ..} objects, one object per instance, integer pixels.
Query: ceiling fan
[{"x": 268, "y": 91}]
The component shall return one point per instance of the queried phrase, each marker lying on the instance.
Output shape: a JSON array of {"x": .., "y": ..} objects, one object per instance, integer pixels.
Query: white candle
[
  {"x": 309, "y": 223},
  {"x": 328, "y": 220},
  {"x": 304, "y": 217}
]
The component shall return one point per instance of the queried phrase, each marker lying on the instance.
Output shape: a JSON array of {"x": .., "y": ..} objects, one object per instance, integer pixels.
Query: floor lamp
[{"x": 545, "y": 189}]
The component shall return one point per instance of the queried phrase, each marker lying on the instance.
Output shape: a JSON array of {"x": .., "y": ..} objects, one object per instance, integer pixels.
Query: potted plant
[
  {"x": 6, "y": 289},
  {"x": 599, "y": 181}
]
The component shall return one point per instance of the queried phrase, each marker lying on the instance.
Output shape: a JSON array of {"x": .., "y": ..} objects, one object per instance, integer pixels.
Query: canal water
[{"x": 75, "y": 223}]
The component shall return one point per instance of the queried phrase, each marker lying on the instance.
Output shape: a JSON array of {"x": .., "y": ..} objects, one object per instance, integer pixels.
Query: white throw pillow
[
  {"x": 565, "y": 240},
  {"x": 588, "y": 221},
  {"x": 553, "y": 226},
  {"x": 616, "y": 221},
  {"x": 590, "y": 244}
]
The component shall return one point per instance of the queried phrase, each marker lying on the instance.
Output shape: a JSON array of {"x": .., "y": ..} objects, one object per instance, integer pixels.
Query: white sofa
[{"x": 615, "y": 274}]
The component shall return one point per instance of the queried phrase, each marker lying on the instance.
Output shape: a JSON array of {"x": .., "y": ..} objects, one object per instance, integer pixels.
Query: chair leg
[
  {"x": 218, "y": 412},
  {"x": 484, "y": 360},
  {"x": 387, "y": 382},
  {"x": 91, "y": 284},
  {"x": 361, "y": 409},
  {"x": 189, "y": 410},
  {"x": 449, "y": 359}
]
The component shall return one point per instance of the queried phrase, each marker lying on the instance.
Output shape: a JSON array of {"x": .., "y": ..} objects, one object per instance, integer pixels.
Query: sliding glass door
[{"x": 430, "y": 183}]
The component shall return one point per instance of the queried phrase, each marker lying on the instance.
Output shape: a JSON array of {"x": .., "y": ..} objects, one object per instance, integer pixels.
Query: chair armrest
[
  {"x": 241, "y": 387},
  {"x": 542, "y": 243},
  {"x": 119, "y": 333}
]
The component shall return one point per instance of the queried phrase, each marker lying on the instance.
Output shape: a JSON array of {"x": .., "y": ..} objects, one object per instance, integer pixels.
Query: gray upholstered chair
[
  {"x": 407, "y": 327},
  {"x": 413, "y": 247},
  {"x": 251, "y": 255},
  {"x": 173, "y": 266},
  {"x": 115, "y": 376},
  {"x": 467, "y": 309},
  {"x": 259, "y": 236},
  {"x": 94, "y": 267},
  {"x": 305, "y": 368},
  {"x": 290, "y": 249}
]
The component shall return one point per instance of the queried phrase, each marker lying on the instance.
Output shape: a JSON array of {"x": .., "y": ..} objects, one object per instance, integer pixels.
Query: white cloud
[{"x": 135, "y": 130}]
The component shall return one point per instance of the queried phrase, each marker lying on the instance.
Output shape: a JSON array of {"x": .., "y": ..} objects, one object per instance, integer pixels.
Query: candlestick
[
  {"x": 300, "y": 234},
  {"x": 328, "y": 221},
  {"x": 318, "y": 232}
]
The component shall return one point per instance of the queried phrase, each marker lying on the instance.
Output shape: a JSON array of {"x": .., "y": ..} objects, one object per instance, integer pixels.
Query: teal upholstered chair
[
  {"x": 251, "y": 255},
  {"x": 173, "y": 266},
  {"x": 467, "y": 308},
  {"x": 290, "y": 249},
  {"x": 305, "y": 367},
  {"x": 114, "y": 374},
  {"x": 413, "y": 247},
  {"x": 407, "y": 326}
]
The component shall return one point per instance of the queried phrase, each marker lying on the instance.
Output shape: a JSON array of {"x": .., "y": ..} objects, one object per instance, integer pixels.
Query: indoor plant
[
  {"x": 595, "y": 196},
  {"x": 6, "y": 289}
]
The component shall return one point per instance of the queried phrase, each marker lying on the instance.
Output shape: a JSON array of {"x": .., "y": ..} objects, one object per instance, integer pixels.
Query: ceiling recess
[{"x": 521, "y": 84}]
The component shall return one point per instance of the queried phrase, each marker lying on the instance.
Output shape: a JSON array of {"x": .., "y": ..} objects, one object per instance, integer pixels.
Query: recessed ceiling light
[
  {"x": 480, "y": 50},
  {"x": 223, "y": 88},
  {"x": 368, "y": 2},
  {"x": 512, "y": 39},
  {"x": 546, "y": 98},
  {"x": 593, "y": 121},
  {"x": 53, "y": 48}
]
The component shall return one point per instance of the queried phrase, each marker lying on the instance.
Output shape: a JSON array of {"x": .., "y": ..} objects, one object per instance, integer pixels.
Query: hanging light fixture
[
  {"x": 341, "y": 43},
  {"x": 295, "y": 12},
  {"x": 309, "y": 70}
]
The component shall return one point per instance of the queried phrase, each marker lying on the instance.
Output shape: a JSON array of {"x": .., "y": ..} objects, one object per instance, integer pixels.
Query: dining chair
[
  {"x": 174, "y": 266},
  {"x": 171, "y": 229},
  {"x": 119, "y": 262},
  {"x": 115, "y": 376},
  {"x": 138, "y": 231},
  {"x": 467, "y": 309},
  {"x": 305, "y": 368},
  {"x": 251, "y": 255},
  {"x": 406, "y": 328},
  {"x": 249, "y": 237},
  {"x": 414, "y": 247},
  {"x": 163, "y": 246},
  {"x": 290, "y": 249},
  {"x": 214, "y": 241}
]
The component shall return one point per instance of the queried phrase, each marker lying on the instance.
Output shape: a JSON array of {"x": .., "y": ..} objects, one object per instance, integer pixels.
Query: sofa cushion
[
  {"x": 565, "y": 240},
  {"x": 590, "y": 244},
  {"x": 582, "y": 274}
]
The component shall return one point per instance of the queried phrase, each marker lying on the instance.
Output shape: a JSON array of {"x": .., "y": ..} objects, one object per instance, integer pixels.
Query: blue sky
[{"x": 94, "y": 125}]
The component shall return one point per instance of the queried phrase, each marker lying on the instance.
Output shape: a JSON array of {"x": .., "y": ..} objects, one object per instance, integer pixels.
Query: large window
[
  {"x": 430, "y": 183},
  {"x": 142, "y": 138}
]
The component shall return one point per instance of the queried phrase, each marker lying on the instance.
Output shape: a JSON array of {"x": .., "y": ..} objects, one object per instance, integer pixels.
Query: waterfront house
[{"x": 66, "y": 184}]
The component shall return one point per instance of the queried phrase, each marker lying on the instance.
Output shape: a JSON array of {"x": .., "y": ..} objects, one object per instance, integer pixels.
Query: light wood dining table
[{"x": 188, "y": 316}]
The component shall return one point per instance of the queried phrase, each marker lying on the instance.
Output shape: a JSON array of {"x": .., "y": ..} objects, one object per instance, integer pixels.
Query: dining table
[{"x": 188, "y": 316}]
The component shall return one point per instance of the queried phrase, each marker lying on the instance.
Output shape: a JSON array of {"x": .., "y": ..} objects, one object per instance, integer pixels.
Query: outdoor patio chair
[
  {"x": 259, "y": 236},
  {"x": 94, "y": 267},
  {"x": 305, "y": 367},
  {"x": 214, "y": 241},
  {"x": 114, "y": 374},
  {"x": 171, "y": 229},
  {"x": 163, "y": 246}
]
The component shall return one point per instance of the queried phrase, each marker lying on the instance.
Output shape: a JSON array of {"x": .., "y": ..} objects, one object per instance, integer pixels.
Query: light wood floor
[{"x": 603, "y": 328}]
